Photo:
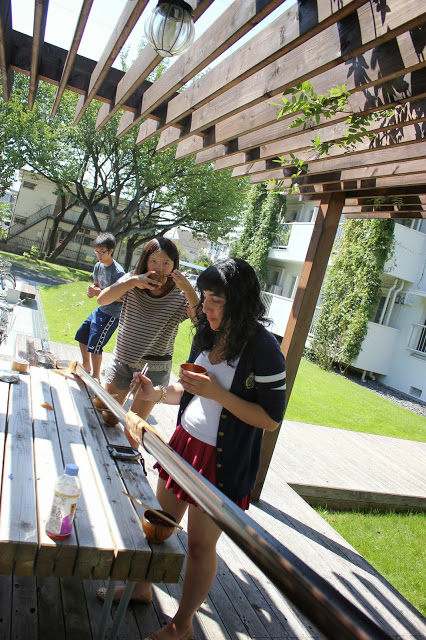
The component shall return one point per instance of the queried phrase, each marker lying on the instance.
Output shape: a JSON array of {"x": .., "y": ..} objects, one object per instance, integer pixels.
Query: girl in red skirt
[{"x": 222, "y": 416}]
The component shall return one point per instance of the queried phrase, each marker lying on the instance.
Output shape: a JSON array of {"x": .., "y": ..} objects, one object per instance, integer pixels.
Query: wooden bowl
[
  {"x": 195, "y": 368},
  {"x": 156, "y": 529},
  {"x": 159, "y": 278},
  {"x": 109, "y": 418},
  {"x": 98, "y": 402}
]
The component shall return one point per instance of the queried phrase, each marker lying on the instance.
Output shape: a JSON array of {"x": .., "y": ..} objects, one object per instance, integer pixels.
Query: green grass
[
  {"x": 47, "y": 268},
  {"x": 329, "y": 399},
  {"x": 394, "y": 543}
]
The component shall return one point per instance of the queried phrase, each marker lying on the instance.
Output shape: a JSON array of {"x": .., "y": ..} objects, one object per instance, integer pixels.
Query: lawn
[{"x": 393, "y": 543}]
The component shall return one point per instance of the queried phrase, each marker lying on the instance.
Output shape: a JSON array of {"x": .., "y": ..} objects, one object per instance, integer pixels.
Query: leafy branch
[{"x": 311, "y": 108}]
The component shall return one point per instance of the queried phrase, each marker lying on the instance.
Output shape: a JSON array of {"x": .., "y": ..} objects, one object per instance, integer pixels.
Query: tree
[
  {"x": 251, "y": 220},
  {"x": 351, "y": 291},
  {"x": 260, "y": 228},
  {"x": 89, "y": 167}
]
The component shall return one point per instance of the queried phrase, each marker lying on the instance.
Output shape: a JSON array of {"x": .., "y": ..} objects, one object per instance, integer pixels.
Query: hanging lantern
[{"x": 170, "y": 28}]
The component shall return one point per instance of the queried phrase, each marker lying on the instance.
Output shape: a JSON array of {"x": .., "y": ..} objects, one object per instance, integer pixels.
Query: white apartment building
[{"x": 394, "y": 350}]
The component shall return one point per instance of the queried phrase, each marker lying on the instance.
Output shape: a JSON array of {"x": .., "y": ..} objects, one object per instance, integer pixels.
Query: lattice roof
[{"x": 376, "y": 48}]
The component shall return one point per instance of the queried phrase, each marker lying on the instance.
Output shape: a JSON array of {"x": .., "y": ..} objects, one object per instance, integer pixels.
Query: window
[
  {"x": 20, "y": 220},
  {"x": 101, "y": 208},
  {"x": 29, "y": 185}
]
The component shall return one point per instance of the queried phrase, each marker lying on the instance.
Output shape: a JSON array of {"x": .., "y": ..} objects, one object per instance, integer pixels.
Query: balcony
[
  {"x": 417, "y": 340},
  {"x": 409, "y": 254},
  {"x": 377, "y": 349},
  {"x": 292, "y": 242},
  {"x": 278, "y": 310}
]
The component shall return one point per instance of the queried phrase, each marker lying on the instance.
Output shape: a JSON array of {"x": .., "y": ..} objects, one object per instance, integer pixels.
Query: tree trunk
[{"x": 52, "y": 257}]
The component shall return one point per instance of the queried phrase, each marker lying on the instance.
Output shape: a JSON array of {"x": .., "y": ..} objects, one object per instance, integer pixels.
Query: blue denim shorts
[
  {"x": 96, "y": 330},
  {"x": 120, "y": 374}
]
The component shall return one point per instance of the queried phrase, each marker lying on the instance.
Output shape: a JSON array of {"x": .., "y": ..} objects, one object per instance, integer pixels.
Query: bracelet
[{"x": 163, "y": 395}]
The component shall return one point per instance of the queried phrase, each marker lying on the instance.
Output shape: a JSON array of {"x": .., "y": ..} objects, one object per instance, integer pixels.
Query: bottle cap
[{"x": 71, "y": 469}]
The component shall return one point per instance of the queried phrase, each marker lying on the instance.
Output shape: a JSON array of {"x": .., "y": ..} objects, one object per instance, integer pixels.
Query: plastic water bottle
[{"x": 66, "y": 493}]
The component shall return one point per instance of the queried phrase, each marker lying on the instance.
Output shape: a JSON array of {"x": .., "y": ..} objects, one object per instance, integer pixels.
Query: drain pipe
[
  {"x": 392, "y": 304},
  {"x": 387, "y": 301}
]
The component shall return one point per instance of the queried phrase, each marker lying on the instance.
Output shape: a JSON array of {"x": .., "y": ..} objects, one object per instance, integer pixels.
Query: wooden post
[{"x": 303, "y": 308}]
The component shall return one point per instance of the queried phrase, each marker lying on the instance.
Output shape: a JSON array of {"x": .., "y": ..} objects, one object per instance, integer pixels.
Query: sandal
[{"x": 145, "y": 598}]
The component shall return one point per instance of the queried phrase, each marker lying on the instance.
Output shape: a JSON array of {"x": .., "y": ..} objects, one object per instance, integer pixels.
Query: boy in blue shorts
[{"x": 97, "y": 329}]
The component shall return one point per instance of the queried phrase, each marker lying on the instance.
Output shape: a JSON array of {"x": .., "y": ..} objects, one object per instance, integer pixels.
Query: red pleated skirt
[{"x": 201, "y": 457}]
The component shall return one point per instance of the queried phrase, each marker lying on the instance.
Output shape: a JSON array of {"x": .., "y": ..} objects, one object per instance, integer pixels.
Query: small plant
[{"x": 33, "y": 255}]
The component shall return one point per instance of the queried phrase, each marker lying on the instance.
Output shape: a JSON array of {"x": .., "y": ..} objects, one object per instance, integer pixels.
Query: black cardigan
[{"x": 238, "y": 444}]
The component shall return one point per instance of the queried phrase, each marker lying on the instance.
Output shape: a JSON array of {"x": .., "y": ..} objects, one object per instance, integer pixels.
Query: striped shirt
[{"x": 148, "y": 325}]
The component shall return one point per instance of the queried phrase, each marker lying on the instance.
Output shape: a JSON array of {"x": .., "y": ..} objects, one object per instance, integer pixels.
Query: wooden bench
[{"x": 46, "y": 421}]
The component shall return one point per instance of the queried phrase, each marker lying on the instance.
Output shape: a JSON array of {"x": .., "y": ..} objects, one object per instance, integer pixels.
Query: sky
[{"x": 63, "y": 15}]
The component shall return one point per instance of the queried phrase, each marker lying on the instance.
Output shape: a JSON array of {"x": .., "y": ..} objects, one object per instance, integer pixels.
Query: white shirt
[{"x": 201, "y": 417}]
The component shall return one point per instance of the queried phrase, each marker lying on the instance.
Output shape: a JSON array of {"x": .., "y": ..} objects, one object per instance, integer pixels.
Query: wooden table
[{"x": 46, "y": 421}]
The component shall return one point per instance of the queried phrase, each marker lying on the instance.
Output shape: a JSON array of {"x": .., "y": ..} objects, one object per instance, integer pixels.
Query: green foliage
[
  {"x": 5, "y": 215},
  {"x": 260, "y": 227},
  {"x": 352, "y": 290},
  {"x": 250, "y": 221},
  {"x": 203, "y": 259},
  {"x": 147, "y": 193},
  {"x": 311, "y": 108},
  {"x": 273, "y": 209},
  {"x": 33, "y": 255}
]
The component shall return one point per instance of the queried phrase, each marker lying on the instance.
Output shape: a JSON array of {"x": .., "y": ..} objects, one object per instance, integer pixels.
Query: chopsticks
[
  {"x": 157, "y": 513},
  {"x": 138, "y": 385}
]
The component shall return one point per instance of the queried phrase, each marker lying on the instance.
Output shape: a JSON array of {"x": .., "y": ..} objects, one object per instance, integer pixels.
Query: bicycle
[{"x": 7, "y": 279}]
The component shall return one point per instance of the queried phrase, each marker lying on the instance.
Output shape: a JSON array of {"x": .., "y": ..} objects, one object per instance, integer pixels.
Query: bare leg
[
  {"x": 118, "y": 394},
  {"x": 96, "y": 365},
  {"x": 200, "y": 572},
  {"x": 85, "y": 355}
]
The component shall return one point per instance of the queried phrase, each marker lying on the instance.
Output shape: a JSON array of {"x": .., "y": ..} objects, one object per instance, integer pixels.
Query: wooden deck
[{"x": 243, "y": 604}]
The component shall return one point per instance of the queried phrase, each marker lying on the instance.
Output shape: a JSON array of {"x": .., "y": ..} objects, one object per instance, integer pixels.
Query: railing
[
  {"x": 417, "y": 339},
  {"x": 46, "y": 212},
  {"x": 70, "y": 216},
  {"x": 282, "y": 239},
  {"x": 316, "y": 598}
]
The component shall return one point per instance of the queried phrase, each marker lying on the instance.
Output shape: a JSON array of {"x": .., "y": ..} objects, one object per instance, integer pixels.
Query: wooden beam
[
  {"x": 128, "y": 18},
  {"x": 52, "y": 62},
  {"x": 78, "y": 34},
  {"x": 5, "y": 45},
  {"x": 336, "y": 44},
  {"x": 361, "y": 101},
  {"x": 303, "y": 308},
  {"x": 389, "y": 129},
  {"x": 232, "y": 24},
  {"x": 399, "y": 182},
  {"x": 409, "y": 190},
  {"x": 40, "y": 17},
  {"x": 388, "y": 215},
  {"x": 291, "y": 29},
  {"x": 146, "y": 62}
]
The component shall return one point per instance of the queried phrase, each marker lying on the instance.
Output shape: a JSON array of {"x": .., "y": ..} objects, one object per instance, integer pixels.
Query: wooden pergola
[{"x": 376, "y": 48}]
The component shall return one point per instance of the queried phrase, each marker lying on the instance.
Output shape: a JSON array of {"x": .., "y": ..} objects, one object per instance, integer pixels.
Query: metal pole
[{"x": 335, "y": 616}]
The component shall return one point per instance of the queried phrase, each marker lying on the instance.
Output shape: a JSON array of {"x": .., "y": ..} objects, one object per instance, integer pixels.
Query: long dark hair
[{"x": 244, "y": 310}]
